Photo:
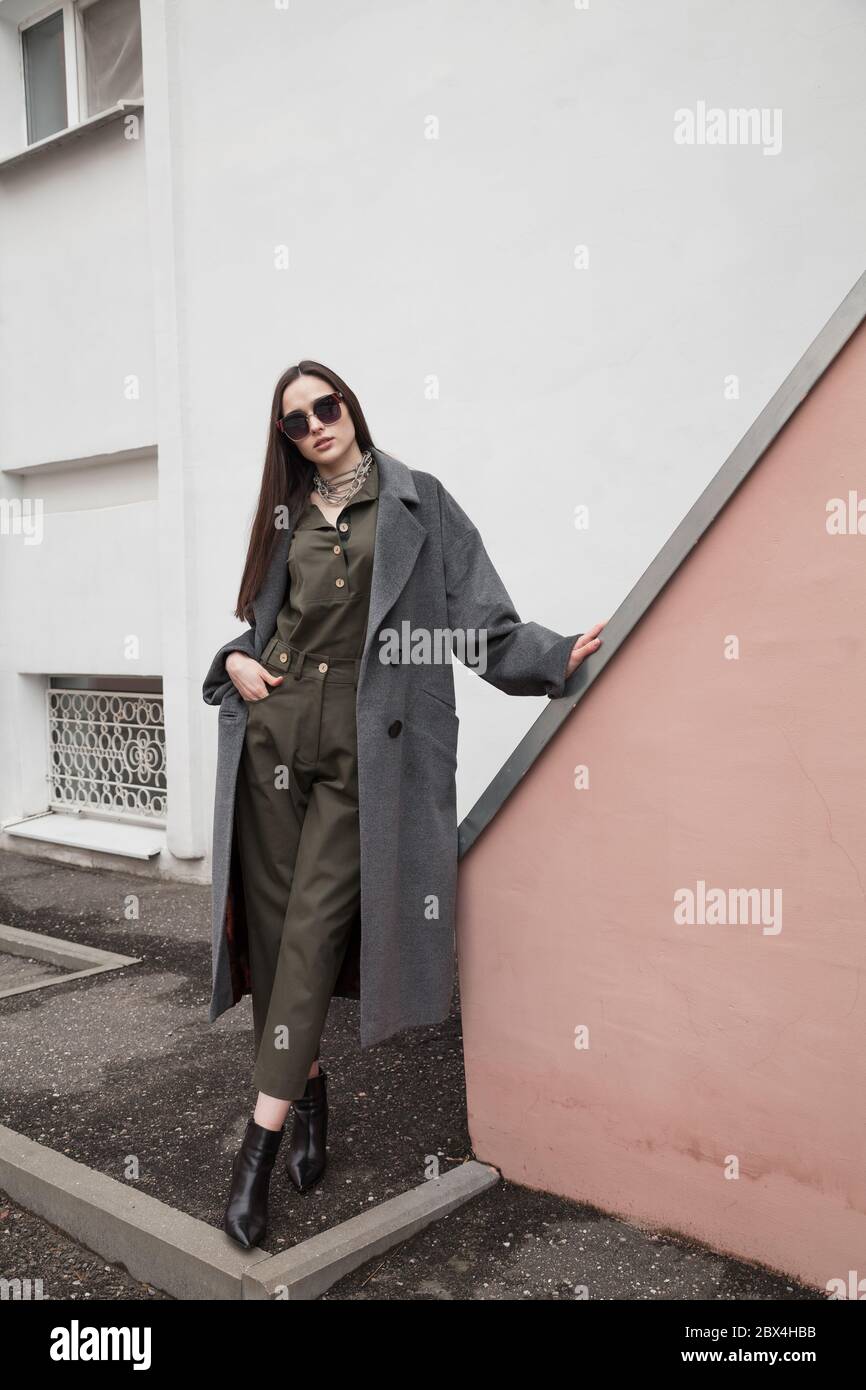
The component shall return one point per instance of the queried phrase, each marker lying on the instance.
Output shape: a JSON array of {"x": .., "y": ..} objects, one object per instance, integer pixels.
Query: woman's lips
[{"x": 323, "y": 443}]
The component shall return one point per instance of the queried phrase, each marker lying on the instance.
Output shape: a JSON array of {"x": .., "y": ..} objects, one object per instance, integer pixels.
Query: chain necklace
[{"x": 335, "y": 489}]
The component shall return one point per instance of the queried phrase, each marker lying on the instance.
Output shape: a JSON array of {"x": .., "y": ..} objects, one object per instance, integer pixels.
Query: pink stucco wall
[{"x": 709, "y": 1045}]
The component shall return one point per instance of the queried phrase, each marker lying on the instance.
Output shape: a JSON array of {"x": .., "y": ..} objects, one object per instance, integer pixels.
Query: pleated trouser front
[{"x": 299, "y": 845}]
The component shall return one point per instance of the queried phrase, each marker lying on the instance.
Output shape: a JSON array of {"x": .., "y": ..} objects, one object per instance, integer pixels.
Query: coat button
[
  {"x": 284, "y": 656},
  {"x": 337, "y": 550},
  {"x": 344, "y": 525},
  {"x": 323, "y": 666},
  {"x": 394, "y": 729},
  {"x": 339, "y": 583}
]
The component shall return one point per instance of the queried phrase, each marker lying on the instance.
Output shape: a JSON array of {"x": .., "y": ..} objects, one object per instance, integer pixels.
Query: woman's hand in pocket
[{"x": 249, "y": 677}]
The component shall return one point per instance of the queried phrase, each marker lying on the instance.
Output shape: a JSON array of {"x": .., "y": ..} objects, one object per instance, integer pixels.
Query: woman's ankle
[{"x": 270, "y": 1111}]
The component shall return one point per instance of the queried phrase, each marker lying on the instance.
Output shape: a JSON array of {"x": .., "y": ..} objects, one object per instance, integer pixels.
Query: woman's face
[{"x": 325, "y": 444}]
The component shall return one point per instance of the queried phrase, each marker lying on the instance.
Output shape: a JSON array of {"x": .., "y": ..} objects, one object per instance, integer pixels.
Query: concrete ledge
[
  {"x": 165, "y": 866},
  {"x": 88, "y": 833},
  {"x": 175, "y": 1252},
  {"x": 90, "y": 960},
  {"x": 190, "y": 1259},
  {"x": 72, "y": 132},
  {"x": 308, "y": 1269}
]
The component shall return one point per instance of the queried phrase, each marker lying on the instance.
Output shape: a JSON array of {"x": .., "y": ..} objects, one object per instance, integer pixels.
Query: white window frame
[{"x": 73, "y": 53}]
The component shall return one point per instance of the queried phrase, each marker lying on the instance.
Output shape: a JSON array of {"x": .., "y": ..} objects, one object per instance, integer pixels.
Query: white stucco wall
[
  {"x": 76, "y": 381},
  {"x": 449, "y": 260},
  {"x": 452, "y": 259}
]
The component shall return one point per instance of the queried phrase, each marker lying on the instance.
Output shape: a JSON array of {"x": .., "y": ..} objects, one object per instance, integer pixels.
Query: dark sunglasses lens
[
  {"x": 295, "y": 426},
  {"x": 328, "y": 410}
]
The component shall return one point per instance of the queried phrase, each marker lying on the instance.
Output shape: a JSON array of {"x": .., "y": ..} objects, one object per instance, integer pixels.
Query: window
[
  {"x": 80, "y": 59},
  {"x": 111, "y": 34},
  {"x": 45, "y": 77},
  {"x": 106, "y": 747}
]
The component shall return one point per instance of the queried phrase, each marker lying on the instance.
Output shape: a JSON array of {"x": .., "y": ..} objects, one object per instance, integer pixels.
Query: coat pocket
[
  {"x": 230, "y": 705},
  {"x": 432, "y": 717}
]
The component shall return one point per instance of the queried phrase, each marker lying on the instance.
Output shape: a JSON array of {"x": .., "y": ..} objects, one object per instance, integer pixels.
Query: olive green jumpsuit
[{"x": 297, "y": 792}]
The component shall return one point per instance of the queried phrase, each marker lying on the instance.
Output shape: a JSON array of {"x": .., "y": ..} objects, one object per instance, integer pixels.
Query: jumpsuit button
[
  {"x": 394, "y": 729},
  {"x": 337, "y": 550},
  {"x": 284, "y": 656},
  {"x": 344, "y": 525},
  {"x": 323, "y": 666},
  {"x": 339, "y": 583}
]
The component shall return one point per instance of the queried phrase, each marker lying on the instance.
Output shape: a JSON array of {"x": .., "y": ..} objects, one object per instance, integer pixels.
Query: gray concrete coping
[
  {"x": 191, "y": 1259},
  {"x": 89, "y": 960},
  {"x": 158, "y": 1245},
  {"x": 309, "y": 1268}
]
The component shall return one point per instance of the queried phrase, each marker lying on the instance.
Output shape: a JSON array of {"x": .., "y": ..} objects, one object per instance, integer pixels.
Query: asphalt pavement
[{"x": 122, "y": 1071}]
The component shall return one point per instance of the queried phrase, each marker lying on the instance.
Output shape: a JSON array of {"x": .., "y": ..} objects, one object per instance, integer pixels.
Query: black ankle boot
[
  {"x": 306, "y": 1158},
  {"x": 246, "y": 1213}
]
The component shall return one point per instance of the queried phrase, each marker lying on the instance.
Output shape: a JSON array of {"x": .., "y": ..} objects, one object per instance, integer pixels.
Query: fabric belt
[{"x": 300, "y": 661}]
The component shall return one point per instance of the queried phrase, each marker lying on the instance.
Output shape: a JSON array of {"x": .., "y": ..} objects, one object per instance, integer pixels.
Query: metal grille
[{"x": 107, "y": 753}]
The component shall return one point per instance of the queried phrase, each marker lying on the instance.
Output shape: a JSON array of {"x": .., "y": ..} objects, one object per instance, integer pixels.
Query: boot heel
[
  {"x": 307, "y": 1156},
  {"x": 246, "y": 1213}
]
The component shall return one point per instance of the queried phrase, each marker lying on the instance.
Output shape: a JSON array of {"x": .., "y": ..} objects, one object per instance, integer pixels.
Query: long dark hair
[{"x": 287, "y": 480}]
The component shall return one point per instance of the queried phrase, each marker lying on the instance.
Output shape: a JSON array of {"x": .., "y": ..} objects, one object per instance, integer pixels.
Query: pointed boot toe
[
  {"x": 246, "y": 1213},
  {"x": 307, "y": 1154}
]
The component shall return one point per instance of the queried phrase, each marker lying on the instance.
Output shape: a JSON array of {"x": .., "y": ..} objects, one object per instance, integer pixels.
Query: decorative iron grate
[{"x": 107, "y": 753}]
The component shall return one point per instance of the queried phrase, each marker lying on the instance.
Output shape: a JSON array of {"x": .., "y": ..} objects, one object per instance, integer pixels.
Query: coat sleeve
[
  {"x": 217, "y": 683},
  {"x": 521, "y": 658}
]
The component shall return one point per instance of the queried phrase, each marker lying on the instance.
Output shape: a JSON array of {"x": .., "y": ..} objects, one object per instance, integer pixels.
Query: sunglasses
[{"x": 296, "y": 425}]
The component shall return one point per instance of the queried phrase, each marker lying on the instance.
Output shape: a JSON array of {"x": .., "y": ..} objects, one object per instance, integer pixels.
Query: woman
[{"x": 335, "y": 799}]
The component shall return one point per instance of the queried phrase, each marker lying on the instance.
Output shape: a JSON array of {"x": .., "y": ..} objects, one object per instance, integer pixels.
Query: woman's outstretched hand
[
  {"x": 249, "y": 678},
  {"x": 586, "y": 643}
]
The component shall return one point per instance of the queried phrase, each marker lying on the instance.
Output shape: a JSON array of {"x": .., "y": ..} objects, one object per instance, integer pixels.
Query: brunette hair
[{"x": 287, "y": 480}]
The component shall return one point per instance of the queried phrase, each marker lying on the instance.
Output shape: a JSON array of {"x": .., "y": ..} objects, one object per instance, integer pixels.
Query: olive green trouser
[{"x": 299, "y": 845}]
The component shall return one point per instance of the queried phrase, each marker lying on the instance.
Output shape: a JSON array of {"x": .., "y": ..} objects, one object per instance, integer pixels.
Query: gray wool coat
[{"x": 430, "y": 572}]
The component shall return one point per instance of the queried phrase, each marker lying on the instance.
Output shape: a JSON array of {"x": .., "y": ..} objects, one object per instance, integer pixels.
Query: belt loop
[{"x": 301, "y": 656}]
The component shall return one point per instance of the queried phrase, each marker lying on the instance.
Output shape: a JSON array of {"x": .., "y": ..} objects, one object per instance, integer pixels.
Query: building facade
[{"x": 539, "y": 291}]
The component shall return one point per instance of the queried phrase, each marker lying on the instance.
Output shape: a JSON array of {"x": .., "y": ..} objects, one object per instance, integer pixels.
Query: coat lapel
[{"x": 399, "y": 537}]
